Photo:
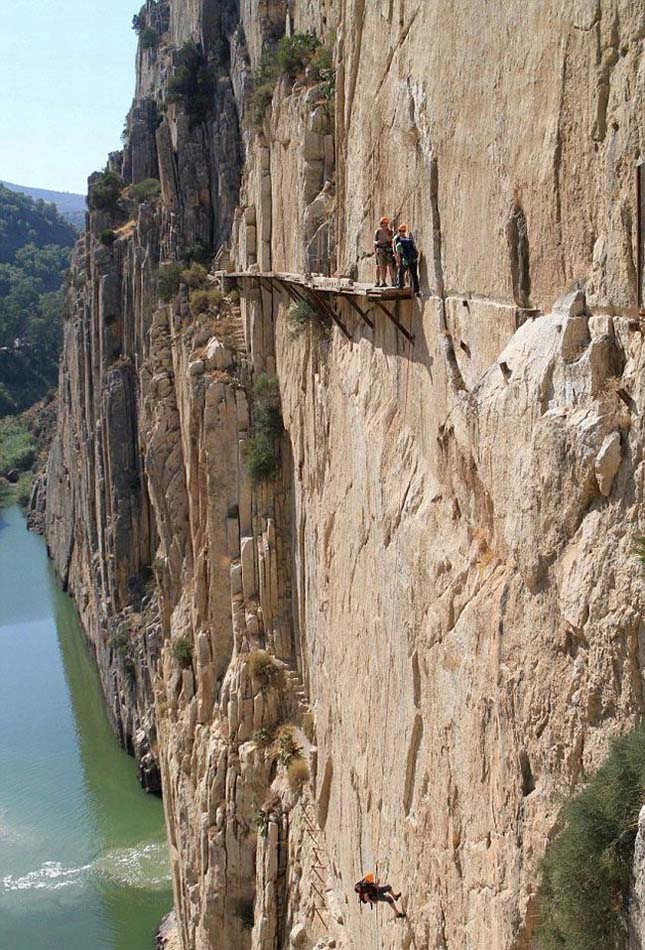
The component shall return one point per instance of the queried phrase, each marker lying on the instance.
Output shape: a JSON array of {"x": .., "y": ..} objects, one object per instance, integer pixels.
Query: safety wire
[{"x": 389, "y": 674}]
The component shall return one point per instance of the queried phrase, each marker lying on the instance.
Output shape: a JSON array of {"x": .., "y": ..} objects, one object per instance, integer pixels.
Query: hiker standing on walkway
[
  {"x": 384, "y": 253},
  {"x": 369, "y": 892},
  {"x": 407, "y": 256}
]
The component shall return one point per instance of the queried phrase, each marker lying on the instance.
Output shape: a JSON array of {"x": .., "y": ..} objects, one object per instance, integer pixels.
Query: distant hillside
[
  {"x": 35, "y": 248},
  {"x": 25, "y": 221},
  {"x": 70, "y": 206}
]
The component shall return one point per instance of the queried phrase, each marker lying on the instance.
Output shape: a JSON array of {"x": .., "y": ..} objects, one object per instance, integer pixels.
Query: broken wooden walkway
[{"x": 317, "y": 290}]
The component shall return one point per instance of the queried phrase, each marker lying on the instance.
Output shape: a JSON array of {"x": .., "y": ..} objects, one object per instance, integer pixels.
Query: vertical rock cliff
[{"x": 397, "y": 640}]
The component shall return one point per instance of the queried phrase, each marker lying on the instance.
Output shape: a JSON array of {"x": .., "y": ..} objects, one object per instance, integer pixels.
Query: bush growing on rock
[
  {"x": 148, "y": 38},
  {"x": 261, "y": 821},
  {"x": 263, "y": 447},
  {"x": 287, "y": 748},
  {"x": 587, "y": 867},
  {"x": 105, "y": 192},
  {"x": 259, "y": 103},
  {"x": 195, "y": 276},
  {"x": 182, "y": 650},
  {"x": 120, "y": 642},
  {"x": 202, "y": 301},
  {"x": 192, "y": 85},
  {"x": 262, "y": 458},
  {"x": 640, "y": 549},
  {"x": 296, "y": 52},
  {"x": 146, "y": 190},
  {"x": 168, "y": 279},
  {"x": 297, "y": 774},
  {"x": 300, "y": 316},
  {"x": 107, "y": 237},
  {"x": 198, "y": 252},
  {"x": 263, "y": 668},
  {"x": 261, "y": 737},
  {"x": 267, "y": 416}
]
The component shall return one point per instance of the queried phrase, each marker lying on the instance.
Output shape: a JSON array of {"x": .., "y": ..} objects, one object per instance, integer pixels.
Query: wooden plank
[{"x": 397, "y": 323}]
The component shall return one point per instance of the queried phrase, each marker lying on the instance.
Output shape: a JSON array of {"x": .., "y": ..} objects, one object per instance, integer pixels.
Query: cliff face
[{"x": 433, "y": 598}]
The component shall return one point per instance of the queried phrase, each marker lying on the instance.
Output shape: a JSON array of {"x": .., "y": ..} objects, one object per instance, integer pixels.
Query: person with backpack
[
  {"x": 407, "y": 256},
  {"x": 369, "y": 892},
  {"x": 384, "y": 253}
]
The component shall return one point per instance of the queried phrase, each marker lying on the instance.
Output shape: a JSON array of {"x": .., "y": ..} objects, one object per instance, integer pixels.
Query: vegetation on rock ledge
[
  {"x": 587, "y": 868},
  {"x": 263, "y": 447}
]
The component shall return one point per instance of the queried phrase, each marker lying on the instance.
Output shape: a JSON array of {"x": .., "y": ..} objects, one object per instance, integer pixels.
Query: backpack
[
  {"x": 405, "y": 247},
  {"x": 365, "y": 890}
]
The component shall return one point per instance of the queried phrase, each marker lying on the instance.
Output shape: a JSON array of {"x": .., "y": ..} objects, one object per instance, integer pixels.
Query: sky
[{"x": 66, "y": 84}]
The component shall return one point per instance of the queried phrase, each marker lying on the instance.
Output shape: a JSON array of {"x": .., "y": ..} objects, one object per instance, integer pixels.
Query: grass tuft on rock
[
  {"x": 587, "y": 867},
  {"x": 182, "y": 650},
  {"x": 263, "y": 668},
  {"x": 297, "y": 773}
]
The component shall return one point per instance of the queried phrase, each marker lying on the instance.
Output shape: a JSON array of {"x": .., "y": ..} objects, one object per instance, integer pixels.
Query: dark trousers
[{"x": 414, "y": 274}]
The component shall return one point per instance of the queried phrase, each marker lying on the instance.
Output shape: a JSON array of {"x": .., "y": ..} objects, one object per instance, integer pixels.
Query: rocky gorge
[{"x": 362, "y": 601}]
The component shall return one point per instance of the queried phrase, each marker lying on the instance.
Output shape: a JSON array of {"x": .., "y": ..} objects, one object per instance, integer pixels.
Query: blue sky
[{"x": 66, "y": 84}]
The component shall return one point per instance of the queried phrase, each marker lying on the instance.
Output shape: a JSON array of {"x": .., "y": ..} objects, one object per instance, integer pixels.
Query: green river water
[{"x": 83, "y": 860}]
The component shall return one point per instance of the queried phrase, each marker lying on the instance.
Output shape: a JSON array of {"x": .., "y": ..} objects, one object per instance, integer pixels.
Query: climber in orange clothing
[{"x": 369, "y": 892}]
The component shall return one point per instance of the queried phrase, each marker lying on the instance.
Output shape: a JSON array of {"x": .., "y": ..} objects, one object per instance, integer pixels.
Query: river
[{"x": 83, "y": 859}]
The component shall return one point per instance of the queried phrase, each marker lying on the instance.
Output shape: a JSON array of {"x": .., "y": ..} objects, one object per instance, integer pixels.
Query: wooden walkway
[{"x": 320, "y": 292}]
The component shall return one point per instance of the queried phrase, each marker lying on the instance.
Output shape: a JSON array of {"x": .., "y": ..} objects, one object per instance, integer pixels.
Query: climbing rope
[{"x": 389, "y": 676}]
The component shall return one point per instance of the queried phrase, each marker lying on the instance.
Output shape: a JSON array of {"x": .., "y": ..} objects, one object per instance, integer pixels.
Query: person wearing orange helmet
[
  {"x": 369, "y": 892},
  {"x": 407, "y": 257}
]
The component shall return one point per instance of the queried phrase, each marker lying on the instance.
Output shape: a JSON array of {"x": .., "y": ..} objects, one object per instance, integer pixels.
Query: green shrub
[
  {"x": 261, "y": 737},
  {"x": 259, "y": 103},
  {"x": 139, "y": 21},
  {"x": 182, "y": 650},
  {"x": 146, "y": 190},
  {"x": 297, "y": 774},
  {"x": 265, "y": 670},
  {"x": 287, "y": 748},
  {"x": 639, "y": 552},
  {"x": 197, "y": 252},
  {"x": 262, "y": 458},
  {"x": 203, "y": 300},
  {"x": 300, "y": 316},
  {"x": 108, "y": 237},
  {"x": 130, "y": 668},
  {"x": 17, "y": 446},
  {"x": 120, "y": 642},
  {"x": 587, "y": 867},
  {"x": 296, "y": 52},
  {"x": 148, "y": 38},
  {"x": 195, "y": 276},
  {"x": 267, "y": 415},
  {"x": 261, "y": 821},
  {"x": 168, "y": 278},
  {"x": 192, "y": 84},
  {"x": 23, "y": 489},
  {"x": 105, "y": 192}
]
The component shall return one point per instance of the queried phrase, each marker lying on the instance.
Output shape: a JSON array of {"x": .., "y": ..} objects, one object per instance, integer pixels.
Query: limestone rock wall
[{"x": 400, "y": 651}]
